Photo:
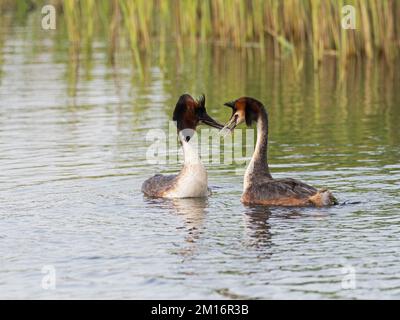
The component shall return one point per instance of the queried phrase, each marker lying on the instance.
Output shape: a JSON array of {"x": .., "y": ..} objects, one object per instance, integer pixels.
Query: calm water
[{"x": 73, "y": 157}]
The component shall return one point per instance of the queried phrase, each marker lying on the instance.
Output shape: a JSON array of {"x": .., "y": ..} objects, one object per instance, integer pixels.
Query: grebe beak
[
  {"x": 206, "y": 119},
  {"x": 230, "y": 125}
]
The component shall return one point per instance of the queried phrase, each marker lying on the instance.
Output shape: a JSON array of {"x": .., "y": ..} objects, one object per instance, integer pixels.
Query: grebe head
[
  {"x": 244, "y": 109},
  {"x": 189, "y": 113}
]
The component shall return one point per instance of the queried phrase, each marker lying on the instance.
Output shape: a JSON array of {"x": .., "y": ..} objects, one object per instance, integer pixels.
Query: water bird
[
  {"x": 192, "y": 180},
  {"x": 259, "y": 187}
]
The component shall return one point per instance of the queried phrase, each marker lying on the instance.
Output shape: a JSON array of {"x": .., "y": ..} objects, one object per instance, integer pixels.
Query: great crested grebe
[
  {"x": 192, "y": 180},
  {"x": 258, "y": 186}
]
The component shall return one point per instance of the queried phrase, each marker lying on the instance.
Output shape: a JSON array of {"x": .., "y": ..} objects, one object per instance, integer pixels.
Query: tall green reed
[{"x": 290, "y": 26}]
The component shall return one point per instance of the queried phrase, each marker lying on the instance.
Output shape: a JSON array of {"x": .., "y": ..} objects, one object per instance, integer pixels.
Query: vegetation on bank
[{"x": 283, "y": 27}]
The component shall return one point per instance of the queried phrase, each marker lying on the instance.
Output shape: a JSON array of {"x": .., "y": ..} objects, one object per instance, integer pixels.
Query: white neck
[
  {"x": 250, "y": 167},
  {"x": 258, "y": 163},
  {"x": 192, "y": 180},
  {"x": 190, "y": 154}
]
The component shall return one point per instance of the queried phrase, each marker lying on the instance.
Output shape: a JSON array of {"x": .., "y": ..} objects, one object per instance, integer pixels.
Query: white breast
[{"x": 192, "y": 181}]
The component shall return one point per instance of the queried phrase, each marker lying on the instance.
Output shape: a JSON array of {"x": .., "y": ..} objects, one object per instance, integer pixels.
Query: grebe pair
[{"x": 258, "y": 187}]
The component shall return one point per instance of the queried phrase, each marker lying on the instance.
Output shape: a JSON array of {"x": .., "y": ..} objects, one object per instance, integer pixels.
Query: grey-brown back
[
  {"x": 157, "y": 185},
  {"x": 268, "y": 189}
]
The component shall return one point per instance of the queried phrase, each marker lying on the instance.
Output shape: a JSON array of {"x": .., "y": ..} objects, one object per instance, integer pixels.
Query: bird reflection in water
[
  {"x": 192, "y": 212},
  {"x": 257, "y": 228}
]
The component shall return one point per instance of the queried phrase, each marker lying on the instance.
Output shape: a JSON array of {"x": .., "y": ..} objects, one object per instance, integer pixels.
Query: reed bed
[{"x": 290, "y": 26}]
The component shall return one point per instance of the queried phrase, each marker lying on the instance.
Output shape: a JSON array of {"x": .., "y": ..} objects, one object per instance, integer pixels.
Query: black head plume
[
  {"x": 180, "y": 107},
  {"x": 230, "y": 104}
]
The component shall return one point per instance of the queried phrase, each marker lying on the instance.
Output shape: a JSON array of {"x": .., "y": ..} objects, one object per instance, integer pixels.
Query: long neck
[
  {"x": 258, "y": 164},
  {"x": 190, "y": 154}
]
